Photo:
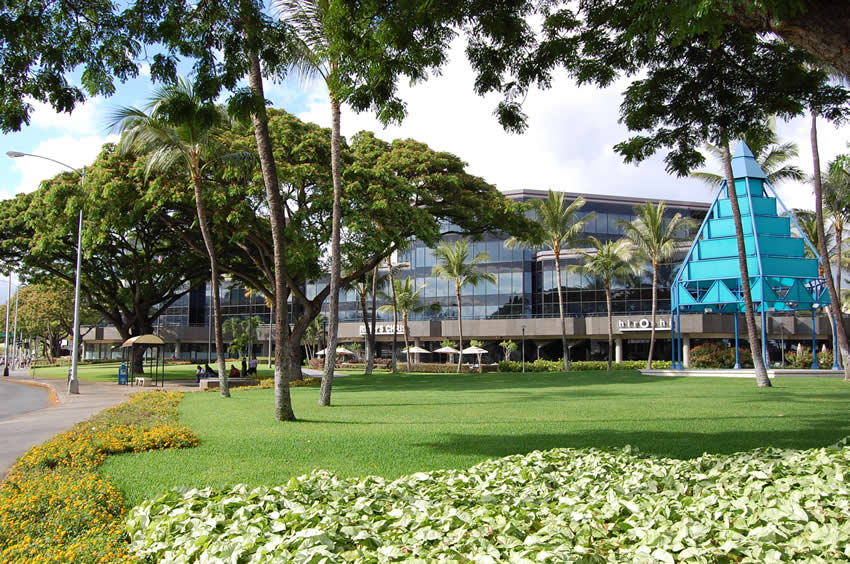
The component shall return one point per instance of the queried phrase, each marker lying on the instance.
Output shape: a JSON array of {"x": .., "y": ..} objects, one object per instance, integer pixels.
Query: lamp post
[
  {"x": 6, "y": 333},
  {"x": 523, "y": 349},
  {"x": 73, "y": 383}
]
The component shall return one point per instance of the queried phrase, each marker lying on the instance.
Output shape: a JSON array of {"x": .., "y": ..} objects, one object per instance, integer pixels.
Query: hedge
[
  {"x": 541, "y": 365},
  {"x": 54, "y": 504}
]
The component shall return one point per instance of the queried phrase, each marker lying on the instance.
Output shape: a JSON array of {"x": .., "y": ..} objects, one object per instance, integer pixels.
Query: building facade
[{"x": 521, "y": 305}]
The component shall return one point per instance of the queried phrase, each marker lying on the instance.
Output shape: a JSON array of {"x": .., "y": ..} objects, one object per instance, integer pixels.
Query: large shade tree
[
  {"x": 561, "y": 228},
  {"x": 455, "y": 265},
  {"x": 608, "y": 262},
  {"x": 655, "y": 238},
  {"x": 134, "y": 266}
]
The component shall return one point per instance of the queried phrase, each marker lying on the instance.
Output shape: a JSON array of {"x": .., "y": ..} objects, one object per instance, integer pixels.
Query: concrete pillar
[
  {"x": 177, "y": 350},
  {"x": 686, "y": 351},
  {"x": 618, "y": 349}
]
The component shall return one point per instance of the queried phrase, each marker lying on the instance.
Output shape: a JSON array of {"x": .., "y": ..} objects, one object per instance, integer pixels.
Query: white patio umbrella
[
  {"x": 447, "y": 350},
  {"x": 476, "y": 351},
  {"x": 417, "y": 351},
  {"x": 339, "y": 350}
]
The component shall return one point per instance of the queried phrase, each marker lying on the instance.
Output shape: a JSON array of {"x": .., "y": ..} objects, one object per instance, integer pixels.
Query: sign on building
[{"x": 383, "y": 329}]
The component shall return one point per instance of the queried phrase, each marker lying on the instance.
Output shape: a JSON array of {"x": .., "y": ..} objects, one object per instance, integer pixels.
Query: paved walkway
[{"x": 19, "y": 433}]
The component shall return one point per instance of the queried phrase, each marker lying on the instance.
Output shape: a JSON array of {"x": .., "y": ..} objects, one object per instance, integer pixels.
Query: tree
[
  {"x": 242, "y": 332},
  {"x": 134, "y": 266},
  {"x": 406, "y": 301},
  {"x": 654, "y": 239},
  {"x": 771, "y": 155},
  {"x": 836, "y": 202},
  {"x": 807, "y": 220},
  {"x": 609, "y": 262},
  {"x": 391, "y": 270},
  {"x": 368, "y": 284},
  {"x": 313, "y": 335},
  {"x": 560, "y": 228},
  {"x": 452, "y": 265},
  {"x": 509, "y": 347},
  {"x": 179, "y": 130}
]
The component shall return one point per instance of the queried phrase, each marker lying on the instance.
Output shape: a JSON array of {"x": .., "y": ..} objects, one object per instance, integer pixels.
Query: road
[{"x": 16, "y": 399}]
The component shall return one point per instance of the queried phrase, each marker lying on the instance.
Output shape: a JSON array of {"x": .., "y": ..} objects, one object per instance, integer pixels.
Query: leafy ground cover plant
[
  {"x": 590, "y": 505},
  {"x": 54, "y": 504}
]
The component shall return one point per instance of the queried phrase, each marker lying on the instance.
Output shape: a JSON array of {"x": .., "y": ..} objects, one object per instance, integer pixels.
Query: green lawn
[
  {"x": 108, "y": 372},
  {"x": 393, "y": 425}
]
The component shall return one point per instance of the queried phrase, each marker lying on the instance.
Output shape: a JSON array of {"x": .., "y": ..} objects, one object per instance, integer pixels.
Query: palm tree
[
  {"x": 406, "y": 301},
  {"x": 807, "y": 220},
  {"x": 391, "y": 270},
  {"x": 313, "y": 57},
  {"x": 561, "y": 228},
  {"x": 609, "y": 262},
  {"x": 370, "y": 282},
  {"x": 654, "y": 238},
  {"x": 452, "y": 265},
  {"x": 771, "y": 155},
  {"x": 178, "y": 129},
  {"x": 836, "y": 202}
]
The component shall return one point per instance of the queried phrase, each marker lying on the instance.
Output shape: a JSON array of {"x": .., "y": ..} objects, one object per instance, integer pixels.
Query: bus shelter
[{"x": 154, "y": 346}]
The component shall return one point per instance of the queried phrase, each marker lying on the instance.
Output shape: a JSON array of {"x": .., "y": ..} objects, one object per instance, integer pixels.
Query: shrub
[
  {"x": 712, "y": 355},
  {"x": 578, "y": 365},
  {"x": 436, "y": 367},
  {"x": 804, "y": 361},
  {"x": 56, "y": 507}
]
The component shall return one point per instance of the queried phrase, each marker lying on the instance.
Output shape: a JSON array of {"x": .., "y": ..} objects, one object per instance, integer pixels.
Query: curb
[{"x": 52, "y": 395}]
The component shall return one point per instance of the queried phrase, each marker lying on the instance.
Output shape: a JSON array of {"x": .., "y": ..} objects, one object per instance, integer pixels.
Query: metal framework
[{"x": 781, "y": 277}]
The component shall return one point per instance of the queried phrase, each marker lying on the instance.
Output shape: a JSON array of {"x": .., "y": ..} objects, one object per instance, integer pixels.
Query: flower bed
[
  {"x": 56, "y": 507},
  {"x": 766, "y": 505}
]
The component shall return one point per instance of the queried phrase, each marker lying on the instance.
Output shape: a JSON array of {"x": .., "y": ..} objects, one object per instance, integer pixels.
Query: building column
[
  {"x": 177, "y": 350},
  {"x": 686, "y": 351},
  {"x": 618, "y": 349}
]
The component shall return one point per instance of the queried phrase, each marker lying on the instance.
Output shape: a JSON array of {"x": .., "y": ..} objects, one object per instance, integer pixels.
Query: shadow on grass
[{"x": 671, "y": 444}]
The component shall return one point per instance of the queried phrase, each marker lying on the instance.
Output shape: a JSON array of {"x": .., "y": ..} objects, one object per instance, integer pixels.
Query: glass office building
[{"x": 521, "y": 305}]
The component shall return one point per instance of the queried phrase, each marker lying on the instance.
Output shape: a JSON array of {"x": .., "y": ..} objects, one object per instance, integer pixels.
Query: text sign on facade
[
  {"x": 383, "y": 329},
  {"x": 641, "y": 324}
]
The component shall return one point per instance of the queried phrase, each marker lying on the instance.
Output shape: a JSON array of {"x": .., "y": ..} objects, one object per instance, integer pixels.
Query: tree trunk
[
  {"x": 369, "y": 354},
  {"x": 203, "y": 222},
  {"x": 752, "y": 331},
  {"x": 406, "y": 340},
  {"x": 610, "y": 323},
  {"x": 654, "y": 308},
  {"x": 459, "y": 330},
  {"x": 336, "y": 258},
  {"x": 394, "y": 361},
  {"x": 822, "y": 28},
  {"x": 566, "y": 348},
  {"x": 830, "y": 282},
  {"x": 282, "y": 400},
  {"x": 370, "y": 360}
]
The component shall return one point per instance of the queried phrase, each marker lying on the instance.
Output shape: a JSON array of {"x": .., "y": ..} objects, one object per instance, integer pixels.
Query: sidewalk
[{"x": 19, "y": 433}]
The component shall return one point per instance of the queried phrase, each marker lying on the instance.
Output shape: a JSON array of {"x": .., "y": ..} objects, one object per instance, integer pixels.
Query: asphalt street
[{"x": 16, "y": 399}]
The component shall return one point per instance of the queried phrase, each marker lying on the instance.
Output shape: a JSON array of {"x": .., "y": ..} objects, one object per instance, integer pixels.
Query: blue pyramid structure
[{"x": 781, "y": 277}]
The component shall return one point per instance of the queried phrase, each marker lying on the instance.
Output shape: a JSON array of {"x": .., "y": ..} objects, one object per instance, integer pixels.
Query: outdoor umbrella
[
  {"x": 447, "y": 350},
  {"x": 476, "y": 351},
  {"x": 339, "y": 350},
  {"x": 417, "y": 351}
]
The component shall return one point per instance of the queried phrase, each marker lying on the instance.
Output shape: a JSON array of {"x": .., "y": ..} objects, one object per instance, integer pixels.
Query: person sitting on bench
[
  {"x": 210, "y": 372},
  {"x": 234, "y": 372},
  {"x": 201, "y": 373}
]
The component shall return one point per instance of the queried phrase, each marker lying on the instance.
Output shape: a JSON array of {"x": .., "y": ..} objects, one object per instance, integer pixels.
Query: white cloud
[
  {"x": 568, "y": 144},
  {"x": 86, "y": 119},
  {"x": 76, "y": 151}
]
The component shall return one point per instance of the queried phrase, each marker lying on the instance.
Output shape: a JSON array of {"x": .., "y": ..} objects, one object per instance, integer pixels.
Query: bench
[
  {"x": 211, "y": 383},
  {"x": 143, "y": 382}
]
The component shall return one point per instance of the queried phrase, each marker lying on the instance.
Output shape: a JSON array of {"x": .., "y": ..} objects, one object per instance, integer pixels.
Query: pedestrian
[
  {"x": 244, "y": 366},
  {"x": 252, "y": 366}
]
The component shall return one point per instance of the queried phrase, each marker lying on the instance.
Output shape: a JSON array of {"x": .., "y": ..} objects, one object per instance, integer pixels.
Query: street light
[
  {"x": 73, "y": 383},
  {"x": 523, "y": 349}
]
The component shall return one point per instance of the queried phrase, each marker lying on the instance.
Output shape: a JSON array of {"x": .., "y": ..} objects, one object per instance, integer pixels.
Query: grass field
[
  {"x": 393, "y": 425},
  {"x": 108, "y": 372}
]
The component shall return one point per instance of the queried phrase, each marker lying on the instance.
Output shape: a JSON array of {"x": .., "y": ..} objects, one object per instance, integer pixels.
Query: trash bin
[{"x": 122, "y": 375}]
